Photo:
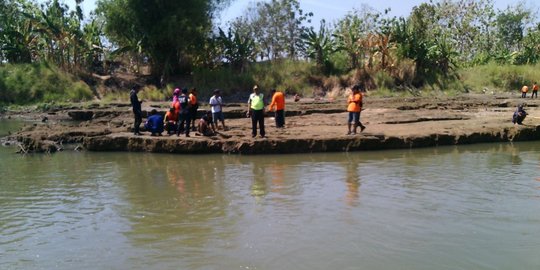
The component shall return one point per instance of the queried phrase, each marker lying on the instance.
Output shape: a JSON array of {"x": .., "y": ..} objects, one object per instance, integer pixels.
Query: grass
[
  {"x": 30, "y": 83},
  {"x": 499, "y": 78}
]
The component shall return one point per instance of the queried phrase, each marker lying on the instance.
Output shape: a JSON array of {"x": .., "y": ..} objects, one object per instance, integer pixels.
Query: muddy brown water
[{"x": 474, "y": 207}]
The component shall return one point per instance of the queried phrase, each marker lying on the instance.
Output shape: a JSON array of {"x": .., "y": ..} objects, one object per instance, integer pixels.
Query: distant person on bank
[
  {"x": 206, "y": 125},
  {"x": 216, "y": 103},
  {"x": 256, "y": 111},
  {"x": 194, "y": 106},
  {"x": 184, "y": 121},
  {"x": 278, "y": 103},
  {"x": 171, "y": 121},
  {"x": 154, "y": 123},
  {"x": 524, "y": 91},
  {"x": 534, "y": 90},
  {"x": 354, "y": 108},
  {"x": 519, "y": 115},
  {"x": 137, "y": 111}
]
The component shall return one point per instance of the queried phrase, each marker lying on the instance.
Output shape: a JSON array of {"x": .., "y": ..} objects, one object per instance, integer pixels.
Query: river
[{"x": 470, "y": 207}]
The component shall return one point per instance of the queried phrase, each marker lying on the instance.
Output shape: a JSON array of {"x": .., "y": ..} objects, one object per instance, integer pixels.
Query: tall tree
[
  {"x": 168, "y": 32},
  {"x": 276, "y": 26}
]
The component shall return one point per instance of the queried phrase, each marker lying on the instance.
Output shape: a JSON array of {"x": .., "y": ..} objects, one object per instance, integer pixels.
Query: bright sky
[{"x": 330, "y": 10}]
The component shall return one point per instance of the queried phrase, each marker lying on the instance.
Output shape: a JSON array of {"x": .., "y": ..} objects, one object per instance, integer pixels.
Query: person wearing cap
[
  {"x": 216, "y": 103},
  {"x": 194, "y": 106},
  {"x": 519, "y": 115},
  {"x": 137, "y": 111},
  {"x": 256, "y": 111},
  {"x": 278, "y": 102},
  {"x": 184, "y": 121},
  {"x": 354, "y": 108}
]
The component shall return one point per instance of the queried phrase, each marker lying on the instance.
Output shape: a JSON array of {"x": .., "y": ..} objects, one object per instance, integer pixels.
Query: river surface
[{"x": 471, "y": 207}]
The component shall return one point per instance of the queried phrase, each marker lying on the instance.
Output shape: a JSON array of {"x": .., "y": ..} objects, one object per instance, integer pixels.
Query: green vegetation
[
  {"x": 442, "y": 45},
  {"x": 26, "y": 83}
]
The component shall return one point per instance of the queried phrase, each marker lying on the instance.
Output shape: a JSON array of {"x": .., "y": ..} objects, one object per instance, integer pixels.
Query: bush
[
  {"x": 495, "y": 77},
  {"x": 28, "y": 83}
]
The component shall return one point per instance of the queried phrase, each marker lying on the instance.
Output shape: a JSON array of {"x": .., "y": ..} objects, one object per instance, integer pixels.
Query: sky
[{"x": 330, "y": 10}]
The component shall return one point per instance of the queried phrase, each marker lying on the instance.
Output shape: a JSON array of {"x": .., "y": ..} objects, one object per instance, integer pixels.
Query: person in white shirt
[{"x": 217, "y": 109}]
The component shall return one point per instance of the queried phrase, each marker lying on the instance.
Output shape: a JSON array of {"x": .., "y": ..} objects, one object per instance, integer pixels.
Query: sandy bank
[{"x": 311, "y": 126}]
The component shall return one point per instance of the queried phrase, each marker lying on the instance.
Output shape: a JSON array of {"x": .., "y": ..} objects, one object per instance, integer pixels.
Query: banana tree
[
  {"x": 318, "y": 46},
  {"x": 237, "y": 49}
]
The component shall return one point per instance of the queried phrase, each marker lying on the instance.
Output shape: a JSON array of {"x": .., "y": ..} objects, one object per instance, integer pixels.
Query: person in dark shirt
[
  {"x": 154, "y": 123},
  {"x": 519, "y": 115},
  {"x": 184, "y": 122},
  {"x": 137, "y": 112}
]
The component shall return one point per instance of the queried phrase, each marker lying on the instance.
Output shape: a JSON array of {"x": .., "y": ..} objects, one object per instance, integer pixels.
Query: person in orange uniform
[
  {"x": 194, "y": 106},
  {"x": 170, "y": 121},
  {"x": 534, "y": 90},
  {"x": 354, "y": 108},
  {"x": 524, "y": 91},
  {"x": 278, "y": 102}
]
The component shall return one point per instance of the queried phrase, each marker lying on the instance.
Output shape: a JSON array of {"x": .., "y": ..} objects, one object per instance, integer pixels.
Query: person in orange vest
[
  {"x": 278, "y": 102},
  {"x": 354, "y": 108},
  {"x": 170, "y": 121},
  {"x": 524, "y": 91},
  {"x": 534, "y": 90},
  {"x": 194, "y": 107}
]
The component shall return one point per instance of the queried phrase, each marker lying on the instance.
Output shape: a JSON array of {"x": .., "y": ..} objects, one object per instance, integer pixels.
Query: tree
[
  {"x": 276, "y": 27},
  {"x": 238, "y": 49},
  {"x": 167, "y": 32},
  {"x": 349, "y": 30},
  {"x": 510, "y": 26},
  {"x": 318, "y": 46}
]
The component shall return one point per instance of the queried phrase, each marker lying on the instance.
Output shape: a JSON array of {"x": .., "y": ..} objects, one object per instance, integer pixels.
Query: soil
[{"x": 311, "y": 126}]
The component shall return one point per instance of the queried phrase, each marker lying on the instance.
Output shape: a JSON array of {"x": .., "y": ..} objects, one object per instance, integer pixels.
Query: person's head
[
  {"x": 256, "y": 89},
  {"x": 273, "y": 91},
  {"x": 176, "y": 92},
  {"x": 217, "y": 92},
  {"x": 171, "y": 109},
  {"x": 153, "y": 111},
  {"x": 136, "y": 88},
  {"x": 356, "y": 88},
  {"x": 534, "y": 82},
  {"x": 193, "y": 90},
  {"x": 184, "y": 90}
]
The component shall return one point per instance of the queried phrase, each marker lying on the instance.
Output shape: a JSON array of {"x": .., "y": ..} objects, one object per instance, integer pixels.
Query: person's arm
[
  {"x": 249, "y": 107},
  {"x": 273, "y": 103}
]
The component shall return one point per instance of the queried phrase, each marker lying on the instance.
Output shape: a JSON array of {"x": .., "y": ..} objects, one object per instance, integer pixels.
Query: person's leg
[
  {"x": 362, "y": 127},
  {"x": 138, "y": 121},
  {"x": 181, "y": 122},
  {"x": 222, "y": 118},
  {"x": 276, "y": 118},
  {"x": 254, "y": 124},
  {"x": 349, "y": 121},
  {"x": 280, "y": 118},
  {"x": 261, "y": 123},
  {"x": 356, "y": 117},
  {"x": 188, "y": 124}
]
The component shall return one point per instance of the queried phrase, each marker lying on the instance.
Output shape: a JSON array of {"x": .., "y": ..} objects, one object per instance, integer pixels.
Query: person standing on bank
[
  {"x": 216, "y": 104},
  {"x": 137, "y": 111},
  {"x": 278, "y": 101},
  {"x": 184, "y": 121},
  {"x": 534, "y": 90},
  {"x": 354, "y": 108},
  {"x": 193, "y": 107},
  {"x": 256, "y": 111}
]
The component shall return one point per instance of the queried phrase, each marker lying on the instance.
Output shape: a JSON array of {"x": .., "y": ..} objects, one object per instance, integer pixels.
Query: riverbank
[{"x": 311, "y": 126}]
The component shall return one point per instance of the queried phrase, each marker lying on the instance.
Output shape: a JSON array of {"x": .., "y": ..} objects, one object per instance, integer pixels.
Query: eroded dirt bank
[{"x": 311, "y": 126}]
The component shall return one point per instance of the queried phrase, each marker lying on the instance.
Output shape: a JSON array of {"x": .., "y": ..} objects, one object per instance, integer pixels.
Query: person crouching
[
  {"x": 154, "y": 123},
  {"x": 519, "y": 115},
  {"x": 171, "y": 121}
]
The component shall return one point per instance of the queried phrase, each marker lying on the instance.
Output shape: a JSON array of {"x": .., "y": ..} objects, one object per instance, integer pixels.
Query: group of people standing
[
  {"x": 180, "y": 118},
  {"x": 525, "y": 90}
]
